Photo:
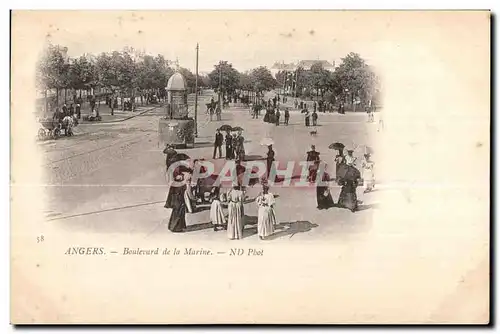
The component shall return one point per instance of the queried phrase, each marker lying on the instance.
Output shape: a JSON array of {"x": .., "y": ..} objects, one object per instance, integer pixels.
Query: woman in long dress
[
  {"x": 216, "y": 213},
  {"x": 235, "y": 216},
  {"x": 323, "y": 195},
  {"x": 348, "y": 198},
  {"x": 267, "y": 216},
  {"x": 177, "y": 222},
  {"x": 368, "y": 174}
]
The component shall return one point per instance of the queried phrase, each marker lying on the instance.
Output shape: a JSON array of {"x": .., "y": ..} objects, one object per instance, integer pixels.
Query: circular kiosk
[{"x": 176, "y": 127}]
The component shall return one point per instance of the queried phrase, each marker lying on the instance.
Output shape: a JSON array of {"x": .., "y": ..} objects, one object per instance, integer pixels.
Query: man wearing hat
[
  {"x": 219, "y": 139},
  {"x": 313, "y": 156}
]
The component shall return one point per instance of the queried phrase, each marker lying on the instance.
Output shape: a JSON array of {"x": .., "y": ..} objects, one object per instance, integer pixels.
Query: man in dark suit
[{"x": 219, "y": 139}]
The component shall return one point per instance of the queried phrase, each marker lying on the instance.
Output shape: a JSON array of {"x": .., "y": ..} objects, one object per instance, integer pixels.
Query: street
[
  {"x": 110, "y": 177},
  {"x": 106, "y": 187}
]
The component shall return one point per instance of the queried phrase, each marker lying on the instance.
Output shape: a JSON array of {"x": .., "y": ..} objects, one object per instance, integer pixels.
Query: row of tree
[
  {"x": 130, "y": 74},
  {"x": 352, "y": 81},
  {"x": 122, "y": 73}
]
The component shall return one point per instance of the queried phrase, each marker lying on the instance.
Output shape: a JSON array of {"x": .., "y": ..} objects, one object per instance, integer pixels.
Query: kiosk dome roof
[{"x": 176, "y": 82}]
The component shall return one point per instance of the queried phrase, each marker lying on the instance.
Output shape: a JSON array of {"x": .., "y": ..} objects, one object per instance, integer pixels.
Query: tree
[
  {"x": 319, "y": 79},
  {"x": 263, "y": 79},
  {"x": 190, "y": 79},
  {"x": 356, "y": 78},
  {"x": 82, "y": 74},
  {"x": 245, "y": 82},
  {"x": 230, "y": 77},
  {"x": 52, "y": 72}
]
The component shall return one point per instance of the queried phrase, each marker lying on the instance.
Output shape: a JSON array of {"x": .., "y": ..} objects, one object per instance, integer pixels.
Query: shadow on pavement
[
  {"x": 203, "y": 144},
  {"x": 198, "y": 227},
  {"x": 363, "y": 207},
  {"x": 292, "y": 228}
]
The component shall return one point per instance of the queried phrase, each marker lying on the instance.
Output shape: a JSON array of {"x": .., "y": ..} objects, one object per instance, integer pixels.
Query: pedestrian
[
  {"x": 229, "y": 146},
  {"x": 211, "y": 112},
  {"x": 71, "y": 110},
  {"x": 112, "y": 105},
  {"x": 314, "y": 159},
  {"x": 216, "y": 213},
  {"x": 218, "y": 112},
  {"x": 269, "y": 159},
  {"x": 219, "y": 139},
  {"x": 240, "y": 152},
  {"x": 177, "y": 222},
  {"x": 189, "y": 197},
  {"x": 78, "y": 110},
  {"x": 266, "y": 219},
  {"x": 314, "y": 117},
  {"x": 295, "y": 103},
  {"x": 287, "y": 116},
  {"x": 350, "y": 159},
  {"x": 314, "y": 106},
  {"x": 368, "y": 173},
  {"x": 255, "y": 110},
  {"x": 235, "y": 217},
  {"x": 65, "y": 110},
  {"x": 307, "y": 115},
  {"x": 170, "y": 153},
  {"x": 277, "y": 117}
]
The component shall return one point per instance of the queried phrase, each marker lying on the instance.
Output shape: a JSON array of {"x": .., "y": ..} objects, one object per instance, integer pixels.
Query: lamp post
[
  {"x": 196, "y": 95},
  {"x": 220, "y": 85}
]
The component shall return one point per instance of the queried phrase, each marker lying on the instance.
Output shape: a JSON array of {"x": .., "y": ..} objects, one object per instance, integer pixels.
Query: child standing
[{"x": 216, "y": 214}]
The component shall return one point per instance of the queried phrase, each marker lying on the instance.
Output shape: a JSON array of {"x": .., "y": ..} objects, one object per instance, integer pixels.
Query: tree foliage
[
  {"x": 227, "y": 75},
  {"x": 263, "y": 79}
]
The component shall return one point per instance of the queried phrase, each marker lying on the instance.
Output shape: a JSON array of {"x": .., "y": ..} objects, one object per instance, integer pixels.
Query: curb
[{"x": 121, "y": 120}]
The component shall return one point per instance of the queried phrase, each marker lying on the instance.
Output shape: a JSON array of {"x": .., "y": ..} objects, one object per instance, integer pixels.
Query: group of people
[
  {"x": 347, "y": 198},
  {"x": 179, "y": 199},
  {"x": 308, "y": 116},
  {"x": 234, "y": 143},
  {"x": 273, "y": 116},
  {"x": 214, "y": 108}
]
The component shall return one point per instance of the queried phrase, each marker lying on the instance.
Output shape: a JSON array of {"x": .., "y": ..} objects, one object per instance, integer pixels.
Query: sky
[{"x": 245, "y": 39}]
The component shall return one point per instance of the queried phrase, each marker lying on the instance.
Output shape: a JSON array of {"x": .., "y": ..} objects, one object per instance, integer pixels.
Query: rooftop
[{"x": 176, "y": 82}]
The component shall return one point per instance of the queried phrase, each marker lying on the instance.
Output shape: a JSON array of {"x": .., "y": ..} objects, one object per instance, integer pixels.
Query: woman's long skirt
[
  {"x": 177, "y": 222},
  {"x": 348, "y": 198},
  {"x": 168, "y": 202},
  {"x": 216, "y": 214},
  {"x": 368, "y": 180},
  {"x": 307, "y": 121},
  {"x": 266, "y": 221},
  {"x": 324, "y": 198},
  {"x": 235, "y": 220}
]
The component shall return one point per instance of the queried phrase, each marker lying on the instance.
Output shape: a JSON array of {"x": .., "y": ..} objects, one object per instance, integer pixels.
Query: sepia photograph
[{"x": 250, "y": 167}]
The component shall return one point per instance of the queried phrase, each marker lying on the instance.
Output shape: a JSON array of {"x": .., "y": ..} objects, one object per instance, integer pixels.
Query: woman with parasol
[{"x": 339, "y": 158}]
